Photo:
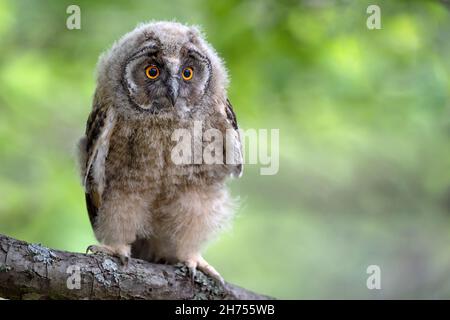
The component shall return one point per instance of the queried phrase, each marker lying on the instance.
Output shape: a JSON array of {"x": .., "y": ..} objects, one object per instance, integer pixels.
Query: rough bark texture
[{"x": 31, "y": 271}]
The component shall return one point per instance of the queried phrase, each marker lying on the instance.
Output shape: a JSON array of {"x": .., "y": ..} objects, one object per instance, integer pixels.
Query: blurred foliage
[{"x": 364, "y": 119}]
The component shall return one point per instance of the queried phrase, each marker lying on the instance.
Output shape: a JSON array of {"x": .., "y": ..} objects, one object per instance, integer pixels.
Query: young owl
[{"x": 158, "y": 78}]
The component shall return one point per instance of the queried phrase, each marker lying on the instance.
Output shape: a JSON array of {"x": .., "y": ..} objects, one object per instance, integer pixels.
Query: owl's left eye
[
  {"x": 187, "y": 73},
  {"x": 152, "y": 72}
]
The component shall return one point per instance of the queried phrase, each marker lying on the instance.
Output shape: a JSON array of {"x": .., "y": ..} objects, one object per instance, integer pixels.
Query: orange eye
[
  {"x": 152, "y": 72},
  {"x": 187, "y": 73}
]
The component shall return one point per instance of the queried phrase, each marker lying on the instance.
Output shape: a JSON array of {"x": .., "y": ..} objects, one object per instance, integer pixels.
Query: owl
[{"x": 157, "y": 79}]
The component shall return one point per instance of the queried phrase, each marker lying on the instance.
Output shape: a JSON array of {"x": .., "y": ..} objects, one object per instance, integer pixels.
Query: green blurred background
[{"x": 364, "y": 119}]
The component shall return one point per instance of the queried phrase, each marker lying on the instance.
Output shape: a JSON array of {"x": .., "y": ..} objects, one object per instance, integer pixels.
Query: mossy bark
[{"x": 31, "y": 271}]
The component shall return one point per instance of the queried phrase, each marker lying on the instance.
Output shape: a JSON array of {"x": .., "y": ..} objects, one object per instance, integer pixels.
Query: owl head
[{"x": 161, "y": 68}]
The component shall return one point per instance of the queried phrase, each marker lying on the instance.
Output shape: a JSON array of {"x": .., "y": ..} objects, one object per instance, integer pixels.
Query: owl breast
[{"x": 139, "y": 161}]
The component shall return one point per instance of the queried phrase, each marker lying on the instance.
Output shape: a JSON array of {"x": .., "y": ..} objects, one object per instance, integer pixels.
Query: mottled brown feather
[
  {"x": 231, "y": 116},
  {"x": 96, "y": 126}
]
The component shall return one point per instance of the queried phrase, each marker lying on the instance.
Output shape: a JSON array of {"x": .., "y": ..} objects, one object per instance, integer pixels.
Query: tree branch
[{"x": 31, "y": 271}]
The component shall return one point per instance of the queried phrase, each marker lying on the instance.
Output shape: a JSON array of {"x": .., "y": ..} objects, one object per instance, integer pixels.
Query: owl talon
[
  {"x": 124, "y": 260},
  {"x": 121, "y": 252},
  {"x": 210, "y": 271},
  {"x": 95, "y": 249},
  {"x": 192, "y": 273},
  {"x": 198, "y": 263}
]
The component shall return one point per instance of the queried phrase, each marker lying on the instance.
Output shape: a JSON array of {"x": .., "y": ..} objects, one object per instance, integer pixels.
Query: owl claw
[
  {"x": 201, "y": 264},
  {"x": 121, "y": 252},
  {"x": 124, "y": 260},
  {"x": 192, "y": 273},
  {"x": 95, "y": 249}
]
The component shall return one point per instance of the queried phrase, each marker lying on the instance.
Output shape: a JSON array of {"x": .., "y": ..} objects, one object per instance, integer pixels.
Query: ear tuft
[
  {"x": 195, "y": 34},
  {"x": 149, "y": 35}
]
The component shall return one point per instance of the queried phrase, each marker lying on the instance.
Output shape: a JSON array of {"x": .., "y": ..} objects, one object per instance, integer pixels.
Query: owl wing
[
  {"x": 233, "y": 146},
  {"x": 95, "y": 146}
]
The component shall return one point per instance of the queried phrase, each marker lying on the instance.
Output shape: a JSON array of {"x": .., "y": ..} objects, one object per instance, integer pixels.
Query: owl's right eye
[{"x": 152, "y": 72}]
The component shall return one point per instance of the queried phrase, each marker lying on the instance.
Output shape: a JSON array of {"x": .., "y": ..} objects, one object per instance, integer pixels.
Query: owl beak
[{"x": 172, "y": 91}]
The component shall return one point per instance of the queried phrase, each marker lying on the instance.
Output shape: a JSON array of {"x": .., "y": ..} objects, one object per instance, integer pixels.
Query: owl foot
[
  {"x": 197, "y": 262},
  {"x": 122, "y": 252}
]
